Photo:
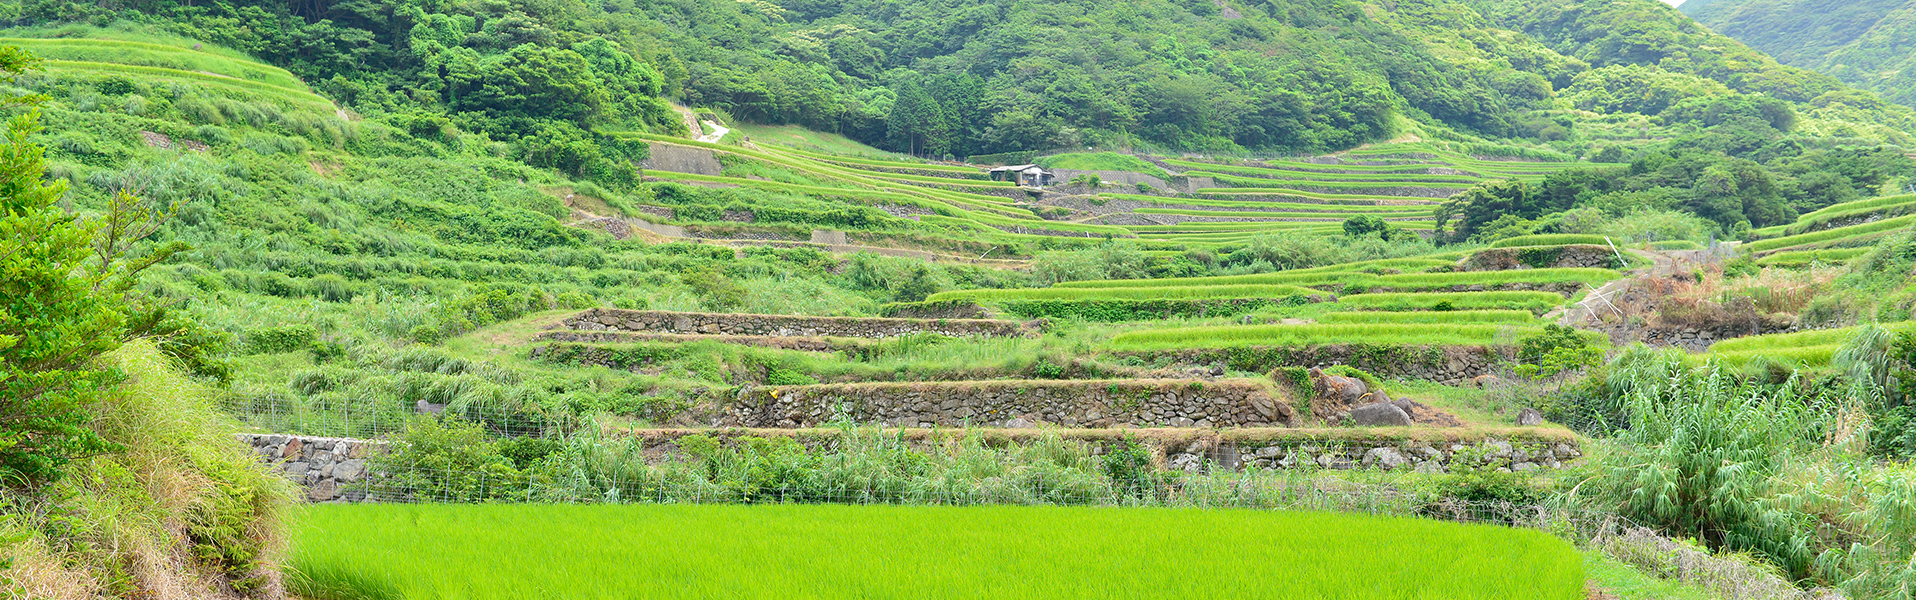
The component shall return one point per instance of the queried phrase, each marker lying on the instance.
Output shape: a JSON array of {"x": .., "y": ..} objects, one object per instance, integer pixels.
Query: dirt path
[{"x": 718, "y": 132}]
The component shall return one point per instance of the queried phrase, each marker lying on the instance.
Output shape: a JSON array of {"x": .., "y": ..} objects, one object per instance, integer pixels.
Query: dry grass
[{"x": 131, "y": 512}]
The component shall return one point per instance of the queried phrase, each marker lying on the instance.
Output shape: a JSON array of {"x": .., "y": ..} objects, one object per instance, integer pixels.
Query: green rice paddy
[{"x": 565, "y": 552}]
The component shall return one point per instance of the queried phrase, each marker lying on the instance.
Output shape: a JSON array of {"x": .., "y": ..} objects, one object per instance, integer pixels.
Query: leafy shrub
[
  {"x": 1131, "y": 469},
  {"x": 789, "y": 377},
  {"x": 446, "y": 460},
  {"x": 1043, "y": 368},
  {"x": 1554, "y": 337},
  {"x": 277, "y": 340}
]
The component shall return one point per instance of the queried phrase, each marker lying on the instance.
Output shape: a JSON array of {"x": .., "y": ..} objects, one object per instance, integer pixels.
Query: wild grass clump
[{"x": 178, "y": 508}]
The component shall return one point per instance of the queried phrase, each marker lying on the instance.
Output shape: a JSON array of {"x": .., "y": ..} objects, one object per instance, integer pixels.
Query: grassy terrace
[
  {"x": 1798, "y": 258},
  {"x": 1443, "y": 334},
  {"x": 1355, "y": 276},
  {"x": 1550, "y": 240},
  {"x": 1316, "y": 216},
  {"x": 247, "y": 88},
  {"x": 1536, "y": 302},
  {"x": 1266, "y": 183},
  {"x": 1285, "y": 174},
  {"x": 1341, "y": 205},
  {"x": 1136, "y": 293},
  {"x": 1515, "y": 317},
  {"x": 162, "y": 56},
  {"x": 564, "y": 552},
  {"x": 1226, "y": 193},
  {"x": 1851, "y": 235},
  {"x": 1806, "y": 349}
]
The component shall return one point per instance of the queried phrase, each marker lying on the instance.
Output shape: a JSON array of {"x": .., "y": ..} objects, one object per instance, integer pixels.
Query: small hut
[{"x": 1024, "y": 175}]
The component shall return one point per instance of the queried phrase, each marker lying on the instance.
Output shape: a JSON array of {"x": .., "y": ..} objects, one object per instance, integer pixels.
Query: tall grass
[{"x": 746, "y": 552}]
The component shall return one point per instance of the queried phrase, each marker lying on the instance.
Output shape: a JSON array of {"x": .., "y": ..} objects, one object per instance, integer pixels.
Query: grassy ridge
[
  {"x": 1892, "y": 206},
  {"x": 1821, "y": 337},
  {"x": 1853, "y": 233},
  {"x": 146, "y": 54},
  {"x": 1445, "y": 334},
  {"x": 1536, "y": 302},
  {"x": 1517, "y": 317},
  {"x": 1136, "y": 293},
  {"x": 563, "y": 552},
  {"x": 1407, "y": 280},
  {"x": 1798, "y": 258},
  {"x": 1561, "y": 239}
]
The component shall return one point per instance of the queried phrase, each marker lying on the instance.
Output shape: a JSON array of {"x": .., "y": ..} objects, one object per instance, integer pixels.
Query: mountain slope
[{"x": 1867, "y": 43}]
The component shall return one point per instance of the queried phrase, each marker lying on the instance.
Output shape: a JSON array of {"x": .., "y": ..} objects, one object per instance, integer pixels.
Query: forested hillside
[
  {"x": 1866, "y": 43},
  {"x": 970, "y": 77}
]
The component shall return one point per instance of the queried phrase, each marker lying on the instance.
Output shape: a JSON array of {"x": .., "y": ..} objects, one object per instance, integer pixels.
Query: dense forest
[
  {"x": 969, "y": 77},
  {"x": 1865, "y": 43}
]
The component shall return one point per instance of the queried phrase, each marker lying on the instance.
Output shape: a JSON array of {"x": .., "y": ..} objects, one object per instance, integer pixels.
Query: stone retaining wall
[
  {"x": 1206, "y": 451},
  {"x": 607, "y": 319},
  {"x": 328, "y": 468},
  {"x": 1080, "y": 403},
  {"x": 1559, "y": 257},
  {"x": 1453, "y": 365},
  {"x": 325, "y": 467}
]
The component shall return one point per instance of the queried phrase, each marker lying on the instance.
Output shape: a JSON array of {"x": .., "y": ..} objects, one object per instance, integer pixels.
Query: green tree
[
  {"x": 918, "y": 123},
  {"x": 63, "y": 285}
]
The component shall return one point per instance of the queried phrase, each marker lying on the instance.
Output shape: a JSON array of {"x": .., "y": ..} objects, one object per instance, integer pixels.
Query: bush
[
  {"x": 446, "y": 460},
  {"x": 789, "y": 377},
  {"x": 277, "y": 340},
  {"x": 1531, "y": 350}
]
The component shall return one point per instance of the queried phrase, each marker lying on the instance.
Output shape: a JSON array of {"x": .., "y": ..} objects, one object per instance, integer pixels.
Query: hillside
[
  {"x": 1865, "y": 43},
  {"x": 1542, "y": 265}
]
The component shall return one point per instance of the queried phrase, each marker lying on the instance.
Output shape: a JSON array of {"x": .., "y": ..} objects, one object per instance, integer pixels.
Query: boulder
[
  {"x": 1380, "y": 415},
  {"x": 1529, "y": 417},
  {"x": 1484, "y": 381},
  {"x": 1349, "y": 390}
]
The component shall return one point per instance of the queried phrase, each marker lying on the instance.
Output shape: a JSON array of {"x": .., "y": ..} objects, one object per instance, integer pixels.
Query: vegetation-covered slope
[{"x": 1866, "y": 43}]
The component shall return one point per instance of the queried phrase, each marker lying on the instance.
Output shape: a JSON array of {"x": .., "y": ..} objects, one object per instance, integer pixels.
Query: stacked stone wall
[
  {"x": 335, "y": 470},
  {"x": 1211, "y": 451},
  {"x": 1078, "y": 403},
  {"x": 606, "y": 319},
  {"x": 1453, "y": 365},
  {"x": 1586, "y": 256},
  {"x": 328, "y": 469}
]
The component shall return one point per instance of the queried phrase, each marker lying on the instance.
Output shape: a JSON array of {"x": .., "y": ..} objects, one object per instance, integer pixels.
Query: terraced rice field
[
  {"x": 1445, "y": 334},
  {"x": 1807, "y": 348},
  {"x": 959, "y": 203},
  {"x": 485, "y": 552},
  {"x": 236, "y": 77}
]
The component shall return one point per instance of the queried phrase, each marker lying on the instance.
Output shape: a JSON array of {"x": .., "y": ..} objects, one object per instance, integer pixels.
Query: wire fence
[{"x": 1594, "y": 529}]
